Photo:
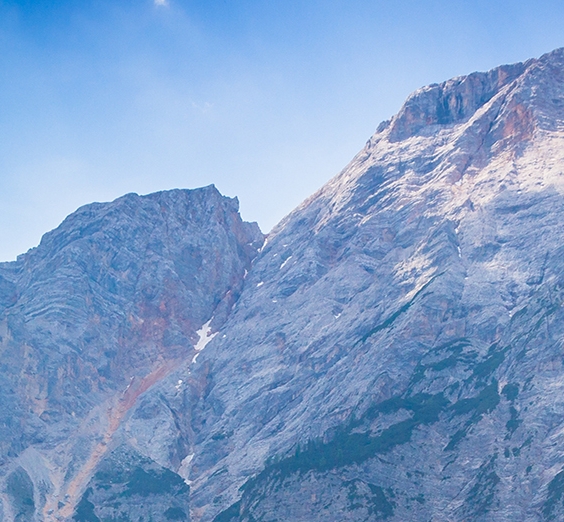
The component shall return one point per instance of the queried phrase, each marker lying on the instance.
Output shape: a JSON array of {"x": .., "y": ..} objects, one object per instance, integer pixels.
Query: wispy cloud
[
  {"x": 160, "y": 3},
  {"x": 202, "y": 107}
]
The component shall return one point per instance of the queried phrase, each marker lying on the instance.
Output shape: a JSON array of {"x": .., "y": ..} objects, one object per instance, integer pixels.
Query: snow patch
[
  {"x": 285, "y": 263},
  {"x": 263, "y": 245},
  {"x": 205, "y": 336},
  {"x": 129, "y": 385},
  {"x": 184, "y": 468}
]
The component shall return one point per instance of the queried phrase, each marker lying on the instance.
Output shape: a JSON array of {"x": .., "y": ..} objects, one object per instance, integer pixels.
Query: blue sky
[{"x": 267, "y": 99}]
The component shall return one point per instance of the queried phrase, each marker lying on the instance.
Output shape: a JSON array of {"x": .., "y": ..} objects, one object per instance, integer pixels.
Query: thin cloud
[
  {"x": 160, "y": 3},
  {"x": 203, "y": 108}
]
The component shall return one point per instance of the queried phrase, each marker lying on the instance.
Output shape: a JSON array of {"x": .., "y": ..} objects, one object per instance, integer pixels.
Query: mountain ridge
[
  {"x": 397, "y": 193},
  {"x": 392, "y": 351},
  {"x": 98, "y": 309}
]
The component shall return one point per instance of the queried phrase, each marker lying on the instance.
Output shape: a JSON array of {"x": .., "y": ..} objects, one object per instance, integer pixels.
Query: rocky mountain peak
[
  {"x": 390, "y": 319},
  {"x": 125, "y": 214},
  {"x": 107, "y": 305},
  {"x": 450, "y": 102},
  {"x": 393, "y": 352},
  {"x": 458, "y": 99}
]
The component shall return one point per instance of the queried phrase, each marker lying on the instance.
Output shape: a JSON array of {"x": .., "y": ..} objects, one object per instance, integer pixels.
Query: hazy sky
[{"x": 267, "y": 99}]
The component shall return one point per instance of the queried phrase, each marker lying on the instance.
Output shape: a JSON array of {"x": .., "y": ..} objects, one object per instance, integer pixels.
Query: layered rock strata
[{"x": 108, "y": 305}]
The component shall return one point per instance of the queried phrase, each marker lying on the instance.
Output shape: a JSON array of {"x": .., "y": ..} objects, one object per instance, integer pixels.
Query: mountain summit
[
  {"x": 104, "y": 308},
  {"x": 392, "y": 352},
  {"x": 399, "y": 340}
]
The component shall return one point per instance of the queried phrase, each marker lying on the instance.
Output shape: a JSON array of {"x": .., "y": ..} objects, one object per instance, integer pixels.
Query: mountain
[
  {"x": 105, "y": 307},
  {"x": 393, "y": 351},
  {"x": 396, "y": 352}
]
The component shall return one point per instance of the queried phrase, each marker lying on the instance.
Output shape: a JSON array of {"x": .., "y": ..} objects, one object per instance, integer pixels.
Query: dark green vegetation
[
  {"x": 351, "y": 447},
  {"x": 142, "y": 482},
  {"x": 85, "y": 509},
  {"x": 456, "y": 355},
  {"x": 356, "y": 442},
  {"x": 554, "y": 497},
  {"x": 511, "y": 391},
  {"x": 129, "y": 488},
  {"x": 175, "y": 513},
  {"x": 20, "y": 488},
  {"x": 347, "y": 447},
  {"x": 459, "y": 354},
  {"x": 481, "y": 496},
  {"x": 151, "y": 482},
  {"x": 513, "y": 423},
  {"x": 484, "y": 369},
  {"x": 485, "y": 402},
  {"x": 488, "y": 397},
  {"x": 376, "y": 501},
  {"x": 231, "y": 513}
]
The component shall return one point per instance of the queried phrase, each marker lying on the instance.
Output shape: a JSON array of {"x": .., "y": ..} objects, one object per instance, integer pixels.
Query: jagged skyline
[
  {"x": 266, "y": 101},
  {"x": 392, "y": 351}
]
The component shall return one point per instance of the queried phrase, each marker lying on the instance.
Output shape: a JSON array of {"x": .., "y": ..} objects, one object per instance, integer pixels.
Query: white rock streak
[
  {"x": 285, "y": 263},
  {"x": 184, "y": 469}
]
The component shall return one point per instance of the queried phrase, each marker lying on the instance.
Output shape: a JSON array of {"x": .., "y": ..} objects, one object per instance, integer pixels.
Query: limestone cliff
[{"x": 397, "y": 351}]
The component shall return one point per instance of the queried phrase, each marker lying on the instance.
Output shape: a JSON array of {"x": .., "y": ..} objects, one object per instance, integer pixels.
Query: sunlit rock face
[
  {"x": 104, "y": 308},
  {"x": 397, "y": 350},
  {"x": 392, "y": 352}
]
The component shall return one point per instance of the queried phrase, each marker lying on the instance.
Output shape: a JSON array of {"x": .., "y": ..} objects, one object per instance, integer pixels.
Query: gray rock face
[
  {"x": 108, "y": 304},
  {"x": 397, "y": 350}
]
